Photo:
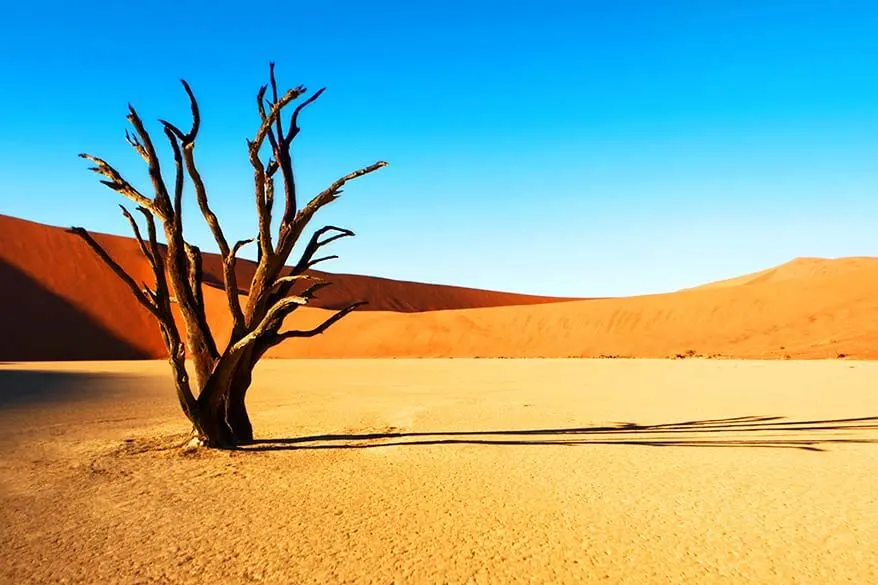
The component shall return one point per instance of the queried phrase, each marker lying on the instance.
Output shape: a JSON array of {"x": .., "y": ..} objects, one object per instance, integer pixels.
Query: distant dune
[
  {"x": 798, "y": 269},
  {"x": 59, "y": 302}
]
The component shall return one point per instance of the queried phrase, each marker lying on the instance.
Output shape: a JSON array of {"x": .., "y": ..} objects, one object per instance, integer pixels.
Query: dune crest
[{"x": 798, "y": 268}]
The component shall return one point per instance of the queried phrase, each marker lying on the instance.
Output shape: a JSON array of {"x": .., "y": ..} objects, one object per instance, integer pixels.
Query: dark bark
[
  {"x": 218, "y": 410},
  {"x": 238, "y": 418}
]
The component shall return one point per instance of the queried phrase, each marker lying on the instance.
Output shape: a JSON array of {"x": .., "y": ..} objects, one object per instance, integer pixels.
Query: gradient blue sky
[{"x": 569, "y": 148}]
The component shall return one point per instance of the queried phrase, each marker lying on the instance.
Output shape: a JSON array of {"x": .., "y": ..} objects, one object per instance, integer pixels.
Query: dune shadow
[
  {"x": 40, "y": 325},
  {"x": 19, "y": 388},
  {"x": 746, "y": 431}
]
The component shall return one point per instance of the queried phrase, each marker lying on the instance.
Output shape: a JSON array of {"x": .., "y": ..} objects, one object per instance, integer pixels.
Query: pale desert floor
[{"x": 447, "y": 471}]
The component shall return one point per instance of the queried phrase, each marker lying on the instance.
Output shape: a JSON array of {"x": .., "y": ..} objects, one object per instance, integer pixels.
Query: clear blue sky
[{"x": 581, "y": 148}]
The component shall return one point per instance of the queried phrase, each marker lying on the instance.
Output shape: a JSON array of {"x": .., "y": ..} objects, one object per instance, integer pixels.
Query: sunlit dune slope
[
  {"x": 797, "y": 269},
  {"x": 819, "y": 317}
]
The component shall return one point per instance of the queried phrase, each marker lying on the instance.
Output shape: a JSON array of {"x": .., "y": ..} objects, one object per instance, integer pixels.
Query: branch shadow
[{"x": 746, "y": 431}]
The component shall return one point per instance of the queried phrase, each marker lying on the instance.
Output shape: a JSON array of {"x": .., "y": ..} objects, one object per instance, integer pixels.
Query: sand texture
[{"x": 447, "y": 471}]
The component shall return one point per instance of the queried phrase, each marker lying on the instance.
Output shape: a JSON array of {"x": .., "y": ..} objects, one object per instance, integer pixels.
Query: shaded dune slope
[
  {"x": 38, "y": 322},
  {"x": 58, "y": 294},
  {"x": 807, "y": 308}
]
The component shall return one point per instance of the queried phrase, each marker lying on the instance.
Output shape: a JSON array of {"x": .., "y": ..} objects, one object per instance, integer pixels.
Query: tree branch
[
  {"x": 306, "y": 262},
  {"x": 188, "y": 143},
  {"x": 200, "y": 190},
  {"x": 290, "y": 231},
  {"x": 196, "y": 115},
  {"x": 177, "y": 357},
  {"x": 233, "y": 260},
  {"x": 294, "y": 121},
  {"x": 272, "y": 127},
  {"x": 316, "y": 261},
  {"x": 278, "y": 125},
  {"x": 139, "y": 294},
  {"x": 117, "y": 183},
  {"x": 162, "y": 200},
  {"x": 188, "y": 137},
  {"x": 240, "y": 244},
  {"x": 158, "y": 264},
  {"x": 310, "y": 292},
  {"x": 262, "y": 177},
  {"x": 267, "y": 272},
  {"x": 185, "y": 260},
  {"x": 193, "y": 253},
  {"x": 137, "y": 236},
  {"x": 137, "y": 146},
  {"x": 260, "y": 105},
  {"x": 332, "y": 320},
  {"x": 178, "y": 180},
  {"x": 315, "y": 243},
  {"x": 292, "y": 279},
  {"x": 265, "y": 225},
  {"x": 332, "y": 192},
  {"x": 284, "y": 157},
  {"x": 277, "y": 312},
  {"x": 273, "y": 114}
]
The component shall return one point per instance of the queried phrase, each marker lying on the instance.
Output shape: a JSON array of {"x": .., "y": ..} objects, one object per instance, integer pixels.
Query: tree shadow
[{"x": 745, "y": 431}]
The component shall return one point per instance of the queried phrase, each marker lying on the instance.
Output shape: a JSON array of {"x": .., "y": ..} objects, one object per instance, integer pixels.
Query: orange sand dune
[
  {"x": 808, "y": 308},
  {"x": 797, "y": 269},
  {"x": 59, "y": 302},
  {"x": 825, "y": 316},
  {"x": 383, "y": 294}
]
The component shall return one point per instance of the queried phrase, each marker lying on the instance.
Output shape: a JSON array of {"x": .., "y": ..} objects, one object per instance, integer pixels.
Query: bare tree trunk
[{"x": 237, "y": 416}]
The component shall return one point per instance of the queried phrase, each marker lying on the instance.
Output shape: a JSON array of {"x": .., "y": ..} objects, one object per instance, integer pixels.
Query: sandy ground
[{"x": 448, "y": 471}]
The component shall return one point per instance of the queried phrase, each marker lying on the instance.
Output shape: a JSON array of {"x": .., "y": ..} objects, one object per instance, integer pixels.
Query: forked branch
[
  {"x": 337, "y": 316},
  {"x": 294, "y": 121},
  {"x": 277, "y": 313},
  {"x": 291, "y": 280},
  {"x": 162, "y": 200},
  {"x": 291, "y": 230},
  {"x": 283, "y": 284},
  {"x": 115, "y": 182},
  {"x": 137, "y": 236},
  {"x": 158, "y": 263}
]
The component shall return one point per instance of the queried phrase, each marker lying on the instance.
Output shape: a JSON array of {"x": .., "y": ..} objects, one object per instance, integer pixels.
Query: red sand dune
[
  {"x": 384, "y": 294},
  {"x": 59, "y": 302}
]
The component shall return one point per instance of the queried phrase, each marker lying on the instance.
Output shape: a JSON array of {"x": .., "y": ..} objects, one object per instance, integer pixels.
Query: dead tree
[{"x": 214, "y": 398}]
